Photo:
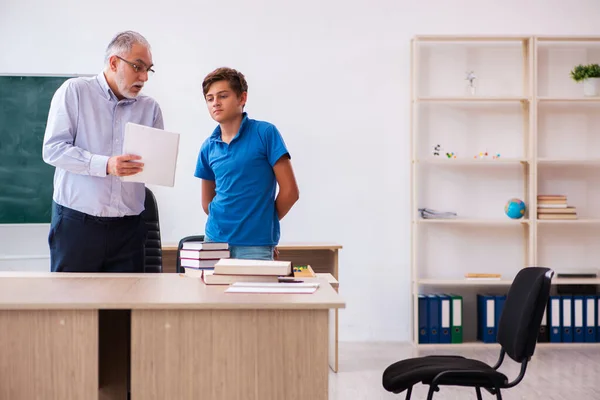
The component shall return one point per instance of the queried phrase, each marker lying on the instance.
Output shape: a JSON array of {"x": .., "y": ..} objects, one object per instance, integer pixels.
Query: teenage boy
[{"x": 241, "y": 164}]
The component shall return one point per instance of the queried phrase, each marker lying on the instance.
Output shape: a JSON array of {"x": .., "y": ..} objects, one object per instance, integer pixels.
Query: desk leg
[
  {"x": 49, "y": 354},
  {"x": 229, "y": 354}
]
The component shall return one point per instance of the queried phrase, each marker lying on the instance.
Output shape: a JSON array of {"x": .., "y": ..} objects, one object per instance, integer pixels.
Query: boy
[{"x": 240, "y": 165}]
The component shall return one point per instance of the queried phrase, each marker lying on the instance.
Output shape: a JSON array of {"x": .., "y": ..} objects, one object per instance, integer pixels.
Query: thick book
[
  {"x": 236, "y": 266},
  {"x": 195, "y": 245}
]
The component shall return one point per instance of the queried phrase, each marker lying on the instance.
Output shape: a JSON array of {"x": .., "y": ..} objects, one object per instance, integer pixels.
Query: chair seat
[{"x": 406, "y": 373}]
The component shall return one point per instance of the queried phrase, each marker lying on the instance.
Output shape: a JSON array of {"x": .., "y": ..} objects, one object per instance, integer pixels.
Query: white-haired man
[{"x": 96, "y": 224}]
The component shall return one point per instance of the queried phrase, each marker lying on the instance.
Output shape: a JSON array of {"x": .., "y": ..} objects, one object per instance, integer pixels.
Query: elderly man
[{"x": 96, "y": 224}]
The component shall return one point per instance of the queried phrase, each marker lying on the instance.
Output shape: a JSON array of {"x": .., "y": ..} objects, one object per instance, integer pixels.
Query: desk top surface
[{"x": 47, "y": 290}]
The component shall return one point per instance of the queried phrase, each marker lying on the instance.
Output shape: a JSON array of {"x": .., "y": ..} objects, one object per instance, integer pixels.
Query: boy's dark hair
[{"x": 236, "y": 80}]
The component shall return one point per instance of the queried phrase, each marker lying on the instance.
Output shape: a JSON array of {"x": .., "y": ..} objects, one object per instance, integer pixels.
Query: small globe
[{"x": 515, "y": 208}]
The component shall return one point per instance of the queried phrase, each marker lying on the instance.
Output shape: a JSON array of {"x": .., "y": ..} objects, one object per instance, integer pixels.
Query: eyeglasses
[{"x": 137, "y": 68}]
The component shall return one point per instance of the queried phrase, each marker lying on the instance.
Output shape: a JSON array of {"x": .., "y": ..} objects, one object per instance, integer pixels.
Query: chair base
[{"x": 433, "y": 389}]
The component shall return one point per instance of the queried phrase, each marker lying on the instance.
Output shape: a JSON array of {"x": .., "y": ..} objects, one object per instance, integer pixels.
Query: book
[
  {"x": 195, "y": 245},
  {"x": 210, "y": 278},
  {"x": 159, "y": 150},
  {"x": 235, "y": 266},
  {"x": 196, "y": 263},
  {"x": 204, "y": 254}
]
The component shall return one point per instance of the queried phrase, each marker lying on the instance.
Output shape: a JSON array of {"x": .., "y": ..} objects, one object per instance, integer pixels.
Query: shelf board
[
  {"x": 472, "y": 99},
  {"x": 469, "y": 38},
  {"x": 561, "y": 345},
  {"x": 475, "y": 221},
  {"x": 568, "y": 99},
  {"x": 465, "y": 282},
  {"x": 569, "y": 161},
  {"x": 472, "y": 161},
  {"x": 503, "y": 282},
  {"x": 579, "y": 221}
]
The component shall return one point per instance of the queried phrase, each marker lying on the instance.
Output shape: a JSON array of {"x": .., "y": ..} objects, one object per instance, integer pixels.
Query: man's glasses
[{"x": 137, "y": 68}]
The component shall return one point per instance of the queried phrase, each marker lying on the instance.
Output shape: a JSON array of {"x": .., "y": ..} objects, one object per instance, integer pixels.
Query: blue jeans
[{"x": 249, "y": 252}]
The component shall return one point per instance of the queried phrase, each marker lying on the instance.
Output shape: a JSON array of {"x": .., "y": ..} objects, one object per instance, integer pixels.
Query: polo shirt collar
[{"x": 216, "y": 135}]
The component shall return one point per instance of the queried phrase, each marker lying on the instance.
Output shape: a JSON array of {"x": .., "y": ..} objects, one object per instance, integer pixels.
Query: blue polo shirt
[{"x": 243, "y": 211}]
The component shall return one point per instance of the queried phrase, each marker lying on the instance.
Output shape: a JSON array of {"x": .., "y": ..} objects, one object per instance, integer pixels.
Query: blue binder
[
  {"x": 597, "y": 318},
  {"x": 500, "y": 299},
  {"x": 578, "y": 318},
  {"x": 554, "y": 319},
  {"x": 589, "y": 310},
  {"x": 423, "y": 322},
  {"x": 445, "y": 321},
  {"x": 486, "y": 310},
  {"x": 567, "y": 318},
  {"x": 434, "y": 318}
]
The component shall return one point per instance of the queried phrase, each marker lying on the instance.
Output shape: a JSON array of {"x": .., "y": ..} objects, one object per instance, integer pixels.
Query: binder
[
  {"x": 589, "y": 309},
  {"x": 433, "y": 310},
  {"x": 423, "y": 323},
  {"x": 543, "y": 335},
  {"x": 457, "y": 329},
  {"x": 500, "y": 299},
  {"x": 555, "y": 319},
  {"x": 578, "y": 328},
  {"x": 486, "y": 316},
  {"x": 445, "y": 323},
  {"x": 567, "y": 318},
  {"x": 598, "y": 319}
]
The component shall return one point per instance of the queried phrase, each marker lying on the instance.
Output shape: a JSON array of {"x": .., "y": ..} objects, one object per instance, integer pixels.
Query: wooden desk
[
  {"x": 322, "y": 257},
  {"x": 188, "y": 340}
]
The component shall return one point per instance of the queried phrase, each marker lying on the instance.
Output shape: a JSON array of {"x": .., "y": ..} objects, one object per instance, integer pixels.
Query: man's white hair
[{"x": 122, "y": 44}]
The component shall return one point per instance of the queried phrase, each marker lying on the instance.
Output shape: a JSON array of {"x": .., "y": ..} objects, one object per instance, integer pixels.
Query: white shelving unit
[{"x": 527, "y": 109}]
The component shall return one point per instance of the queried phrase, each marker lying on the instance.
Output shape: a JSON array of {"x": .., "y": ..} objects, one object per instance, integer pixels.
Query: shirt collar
[
  {"x": 216, "y": 135},
  {"x": 106, "y": 90}
]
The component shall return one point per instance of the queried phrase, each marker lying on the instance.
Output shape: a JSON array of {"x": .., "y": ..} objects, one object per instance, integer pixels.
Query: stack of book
[
  {"x": 196, "y": 255},
  {"x": 554, "y": 206},
  {"x": 230, "y": 270}
]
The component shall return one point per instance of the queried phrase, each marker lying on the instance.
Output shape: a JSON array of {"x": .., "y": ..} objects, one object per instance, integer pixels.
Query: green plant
[{"x": 583, "y": 72}]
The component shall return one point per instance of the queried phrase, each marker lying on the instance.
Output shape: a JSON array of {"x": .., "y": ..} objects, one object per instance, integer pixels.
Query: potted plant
[{"x": 590, "y": 76}]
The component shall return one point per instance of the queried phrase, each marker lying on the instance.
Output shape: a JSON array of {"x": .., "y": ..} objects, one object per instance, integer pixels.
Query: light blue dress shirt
[{"x": 85, "y": 128}]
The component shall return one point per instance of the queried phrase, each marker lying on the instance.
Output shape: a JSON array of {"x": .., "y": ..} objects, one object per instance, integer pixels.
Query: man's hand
[{"x": 124, "y": 165}]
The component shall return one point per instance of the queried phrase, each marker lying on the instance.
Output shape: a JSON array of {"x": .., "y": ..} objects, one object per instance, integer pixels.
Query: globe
[{"x": 515, "y": 208}]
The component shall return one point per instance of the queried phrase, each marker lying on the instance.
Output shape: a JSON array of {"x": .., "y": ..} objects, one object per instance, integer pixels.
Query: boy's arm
[
  {"x": 208, "y": 193},
  {"x": 288, "y": 187}
]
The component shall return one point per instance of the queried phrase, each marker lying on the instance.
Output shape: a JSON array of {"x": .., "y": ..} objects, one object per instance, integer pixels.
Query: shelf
[
  {"x": 579, "y": 221},
  {"x": 464, "y": 282},
  {"x": 569, "y": 161},
  {"x": 469, "y": 38},
  {"x": 475, "y": 221},
  {"x": 545, "y": 99},
  {"x": 503, "y": 282},
  {"x": 473, "y": 161},
  {"x": 473, "y": 99},
  {"x": 561, "y": 345}
]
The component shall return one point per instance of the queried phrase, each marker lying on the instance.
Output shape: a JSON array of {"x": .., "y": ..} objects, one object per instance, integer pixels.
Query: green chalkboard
[{"x": 25, "y": 179}]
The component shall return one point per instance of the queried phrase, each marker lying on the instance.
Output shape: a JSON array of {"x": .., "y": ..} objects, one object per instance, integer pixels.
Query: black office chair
[
  {"x": 518, "y": 330},
  {"x": 153, "y": 246},
  {"x": 193, "y": 238}
]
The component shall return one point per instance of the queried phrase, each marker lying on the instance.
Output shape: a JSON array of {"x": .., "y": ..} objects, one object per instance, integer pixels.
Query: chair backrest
[
  {"x": 193, "y": 238},
  {"x": 153, "y": 245},
  {"x": 521, "y": 317}
]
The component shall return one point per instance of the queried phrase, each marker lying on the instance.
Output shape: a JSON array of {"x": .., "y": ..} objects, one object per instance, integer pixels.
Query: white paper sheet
[{"x": 159, "y": 150}]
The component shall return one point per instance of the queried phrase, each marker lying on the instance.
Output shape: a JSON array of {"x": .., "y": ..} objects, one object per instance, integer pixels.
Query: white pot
[{"x": 591, "y": 87}]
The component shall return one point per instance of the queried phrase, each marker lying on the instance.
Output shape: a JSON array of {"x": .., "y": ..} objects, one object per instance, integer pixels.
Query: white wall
[{"x": 332, "y": 75}]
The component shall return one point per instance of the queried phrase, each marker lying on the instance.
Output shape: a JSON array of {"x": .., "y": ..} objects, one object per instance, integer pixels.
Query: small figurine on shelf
[
  {"x": 496, "y": 156},
  {"x": 471, "y": 86},
  {"x": 437, "y": 149},
  {"x": 451, "y": 155}
]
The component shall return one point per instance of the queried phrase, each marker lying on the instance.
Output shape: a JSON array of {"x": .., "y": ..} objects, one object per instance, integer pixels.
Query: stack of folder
[
  {"x": 571, "y": 318},
  {"x": 440, "y": 318}
]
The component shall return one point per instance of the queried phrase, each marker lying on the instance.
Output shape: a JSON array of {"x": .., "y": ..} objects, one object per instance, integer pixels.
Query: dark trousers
[{"x": 83, "y": 243}]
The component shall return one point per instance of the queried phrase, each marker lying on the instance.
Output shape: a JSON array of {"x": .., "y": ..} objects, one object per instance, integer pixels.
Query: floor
[{"x": 553, "y": 373}]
